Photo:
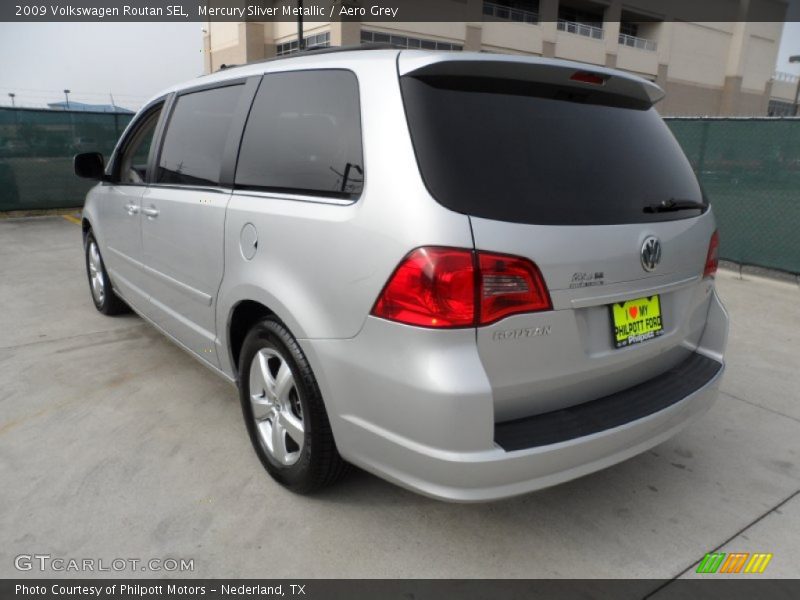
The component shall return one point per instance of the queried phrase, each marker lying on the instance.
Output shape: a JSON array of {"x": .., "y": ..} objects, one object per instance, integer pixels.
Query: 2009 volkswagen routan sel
[{"x": 473, "y": 275}]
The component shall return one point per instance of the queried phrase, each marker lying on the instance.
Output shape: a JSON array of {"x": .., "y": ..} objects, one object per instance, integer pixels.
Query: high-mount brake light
[{"x": 587, "y": 77}]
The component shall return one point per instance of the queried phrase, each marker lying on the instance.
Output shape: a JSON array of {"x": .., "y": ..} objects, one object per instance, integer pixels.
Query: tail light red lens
[
  {"x": 712, "y": 258},
  {"x": 451, "y": 287},
  {"x": 432, "y": 287}
]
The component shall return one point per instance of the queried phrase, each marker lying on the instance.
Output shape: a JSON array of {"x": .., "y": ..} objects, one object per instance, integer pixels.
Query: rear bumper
[
  {"x": 494, "y": 474},
  {"x": 614, "y": 410},
  {"x": 418, "y": 412}
]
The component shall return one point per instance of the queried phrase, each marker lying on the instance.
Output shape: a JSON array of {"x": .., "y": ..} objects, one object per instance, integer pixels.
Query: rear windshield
[{"x": 541, "y": 154}]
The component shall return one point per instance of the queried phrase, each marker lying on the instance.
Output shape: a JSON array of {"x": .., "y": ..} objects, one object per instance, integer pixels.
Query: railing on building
[
  {"x": 589, "y": 31},
  {"x": 784, "y": 76},
  {"x": 637, "y": 42},
  {"x": 506, "y": 13}
]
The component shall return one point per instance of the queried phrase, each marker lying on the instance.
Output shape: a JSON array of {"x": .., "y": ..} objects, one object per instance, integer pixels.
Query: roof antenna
[{"x": 301, "y": 42}]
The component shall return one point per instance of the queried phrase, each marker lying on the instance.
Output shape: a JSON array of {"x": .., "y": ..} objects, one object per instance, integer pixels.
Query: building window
[
  {"x": 628, "y": 28},
  {"x": 780, "y": 108},
  {"x": 636, "y": 34},
  {"x": 319, "y": 40},
  {"x": 402, "y": 41},
  {"x": 521, "y": 11},
  {"x": 580, "y": 22}
]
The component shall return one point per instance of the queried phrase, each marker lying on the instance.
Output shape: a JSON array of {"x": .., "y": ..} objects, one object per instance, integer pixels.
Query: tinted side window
[
  {"x": 142, "y": 150},
  {"x": 195, "y": 139},
  {"x": 132, "y": 165},
  {"x": 303, "y": 135}
]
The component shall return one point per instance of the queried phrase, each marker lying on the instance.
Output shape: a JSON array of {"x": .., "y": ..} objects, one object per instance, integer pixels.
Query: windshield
[{"x": 528, "y": 152}]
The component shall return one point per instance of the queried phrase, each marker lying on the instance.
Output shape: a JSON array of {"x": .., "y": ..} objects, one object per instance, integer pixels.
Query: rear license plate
[{"x": 636, "y": 321}]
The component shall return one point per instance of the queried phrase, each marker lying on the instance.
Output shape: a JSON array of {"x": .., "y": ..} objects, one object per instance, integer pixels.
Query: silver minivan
[{"x": 473, "y": 275}]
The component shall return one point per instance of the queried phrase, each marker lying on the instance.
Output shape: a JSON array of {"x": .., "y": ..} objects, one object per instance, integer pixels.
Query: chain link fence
[
  {"x": 36, "y": 150},
  {"x": 750, "y": 169}
]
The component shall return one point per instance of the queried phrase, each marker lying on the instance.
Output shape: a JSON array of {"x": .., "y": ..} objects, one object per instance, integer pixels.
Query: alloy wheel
[
  {"x": 96, "y": 274},
  {"x": 276, "y": 407}
]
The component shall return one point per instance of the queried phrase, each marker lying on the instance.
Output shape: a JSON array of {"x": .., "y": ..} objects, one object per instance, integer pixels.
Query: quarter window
[
  {"x": 303, "y": 135},
  {"x": 195, "y": 139},
  {"x": 136, "y": 150}
]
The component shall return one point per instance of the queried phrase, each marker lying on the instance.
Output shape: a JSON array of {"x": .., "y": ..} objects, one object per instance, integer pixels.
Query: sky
[
  {"x": 790, "y": 45},
  {"x": 134, "y": 61}
]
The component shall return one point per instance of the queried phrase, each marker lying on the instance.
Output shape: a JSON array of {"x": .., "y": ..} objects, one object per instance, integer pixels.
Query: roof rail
[
  {"x": 313, "y": 51},
  {"x": 352, "y": 47}
]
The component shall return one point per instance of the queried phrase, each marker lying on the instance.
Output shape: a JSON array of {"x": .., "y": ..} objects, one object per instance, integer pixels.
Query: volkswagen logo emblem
[{"x": 651, "y": 253}]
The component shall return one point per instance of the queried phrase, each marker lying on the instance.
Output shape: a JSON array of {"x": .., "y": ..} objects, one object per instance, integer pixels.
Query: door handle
[
  {"x": 132, "y": 209},
  {"x": 151, "y": 212}
]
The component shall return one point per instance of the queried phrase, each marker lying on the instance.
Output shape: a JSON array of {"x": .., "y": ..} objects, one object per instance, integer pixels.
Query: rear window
[{"x": 543, "y": 154}]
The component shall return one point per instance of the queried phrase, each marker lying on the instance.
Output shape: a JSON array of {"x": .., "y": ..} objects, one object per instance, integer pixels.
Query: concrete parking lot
[{"x": 114, "y": 443}]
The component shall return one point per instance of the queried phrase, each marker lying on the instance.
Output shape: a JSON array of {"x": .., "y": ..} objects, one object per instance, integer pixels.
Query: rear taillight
[
  {"x": 451, "y": 287},
  {"x": 712, "y": 258},
  {"x": 509, "y": 285},
  {"x": 432, "y": 287}
]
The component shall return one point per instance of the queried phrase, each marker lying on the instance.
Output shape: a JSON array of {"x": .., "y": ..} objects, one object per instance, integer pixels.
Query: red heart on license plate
[{"x": 634, "y": 311}]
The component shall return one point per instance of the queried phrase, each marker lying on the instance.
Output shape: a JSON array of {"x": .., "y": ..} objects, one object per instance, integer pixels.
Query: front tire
[
  {"x": 103, "y": 296},
  {"x": 284, "y": 411}
]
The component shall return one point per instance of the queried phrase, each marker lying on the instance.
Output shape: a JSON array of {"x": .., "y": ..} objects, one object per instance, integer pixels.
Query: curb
[
  {"x": 48, "y": 212},
  {"x": 742, "y": 271}
]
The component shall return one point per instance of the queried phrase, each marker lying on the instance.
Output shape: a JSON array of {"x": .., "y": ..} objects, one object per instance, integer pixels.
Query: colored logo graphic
[{"x": 734, "y": 562}]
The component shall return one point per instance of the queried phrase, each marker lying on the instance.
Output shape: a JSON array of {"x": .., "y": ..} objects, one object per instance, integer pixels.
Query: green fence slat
[
  {"x": 749, "y": 168},
  {"x": 36, "y": 150}
]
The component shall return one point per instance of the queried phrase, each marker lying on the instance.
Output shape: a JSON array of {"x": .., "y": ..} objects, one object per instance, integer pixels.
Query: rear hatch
[{"x": 573, "y": 169}]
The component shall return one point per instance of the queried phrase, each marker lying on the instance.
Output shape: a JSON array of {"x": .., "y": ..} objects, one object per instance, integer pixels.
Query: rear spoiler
[{"x": 563, "y": 73}]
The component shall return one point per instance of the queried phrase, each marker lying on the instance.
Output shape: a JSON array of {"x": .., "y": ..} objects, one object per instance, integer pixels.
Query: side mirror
[{"x": 89, "y": 165}]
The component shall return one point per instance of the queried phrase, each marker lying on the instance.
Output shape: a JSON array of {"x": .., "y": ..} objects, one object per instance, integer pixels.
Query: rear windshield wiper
[{"x": 673, "y": 205}]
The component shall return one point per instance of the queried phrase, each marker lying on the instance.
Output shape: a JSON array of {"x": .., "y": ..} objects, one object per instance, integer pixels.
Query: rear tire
[
  {"x": 284, "y": 411},
  {"x": 103, "y": 296}
]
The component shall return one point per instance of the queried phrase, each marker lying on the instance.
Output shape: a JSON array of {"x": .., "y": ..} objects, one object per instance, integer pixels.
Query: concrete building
[
  {"x": 706, "y": 68},
  {"x": 783, "y": 94}
]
